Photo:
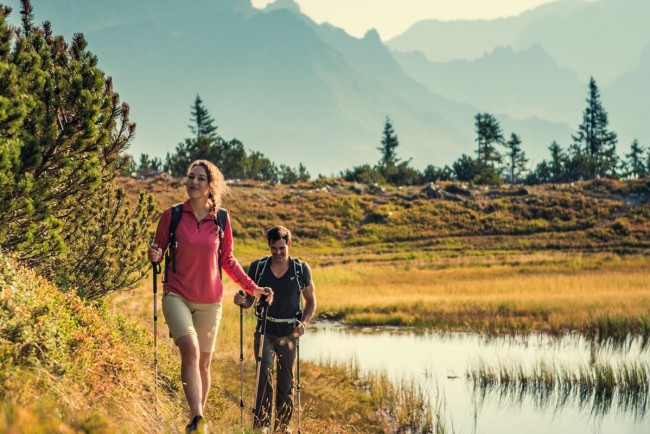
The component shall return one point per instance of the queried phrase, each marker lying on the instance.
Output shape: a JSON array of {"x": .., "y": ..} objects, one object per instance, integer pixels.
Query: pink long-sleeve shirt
[{"x": 197, "y": 277}]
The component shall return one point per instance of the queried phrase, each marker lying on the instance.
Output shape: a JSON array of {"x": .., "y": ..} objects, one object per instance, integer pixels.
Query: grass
[
  {"x": 501, "y": 260},
  {"x": 594, "y": 388},
  {"x": 404, "y": 405},
  {"x": 493, "y": 262},
  {"x": 330, "y": 214},
  {"x": 69, "y": 367},
  {"x": 597, "y": 294},
  {"x": 335, "y": 398}
]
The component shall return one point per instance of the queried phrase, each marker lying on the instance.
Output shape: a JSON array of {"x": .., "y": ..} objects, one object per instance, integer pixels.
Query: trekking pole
[
  {"x": 241, "y": 362},
  {"x": 156, "y": 270},
  {"x": 263, "y": 306},
  {"x": 298, "y": 319}
]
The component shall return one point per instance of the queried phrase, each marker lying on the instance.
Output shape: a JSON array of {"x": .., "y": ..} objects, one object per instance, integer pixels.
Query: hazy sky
[{"x": 392, "y": 17}]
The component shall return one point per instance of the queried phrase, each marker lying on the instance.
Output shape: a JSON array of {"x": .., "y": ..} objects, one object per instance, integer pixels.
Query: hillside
[
  {"x": 68, "y": 367},
  {"x": 330, "y": 217}
]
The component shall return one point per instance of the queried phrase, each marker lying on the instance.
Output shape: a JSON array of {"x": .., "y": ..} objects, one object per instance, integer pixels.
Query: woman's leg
[
  {"x": 206, "y": 319},
  {"x": 178, "y": 314},
  {"x": 190, "y": 373},
  {"x": 204, "y": 368}
]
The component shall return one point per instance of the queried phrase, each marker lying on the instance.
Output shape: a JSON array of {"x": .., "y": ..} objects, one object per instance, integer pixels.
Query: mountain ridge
[{"x": 302, "y": 92}]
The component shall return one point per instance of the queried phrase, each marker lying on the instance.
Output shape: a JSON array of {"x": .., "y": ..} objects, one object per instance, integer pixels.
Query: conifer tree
[
  {"x": 636, "y": 161},
  {"x": 597, "y": 144},
  {"x": 203, "y": 125},
  {"x": 488, "y": 135},
  {"x": 234, "y": 159},
  {"x": 62, "y": 132},
  {"x": 388, "y": 148},
  {"x": 556, "y": 164},
  {"x": 261, "y": 168},
  {"x": 516, "y": 159},
  {"x": 465, "y": 168},
  {"x": 206, "y": 143}
]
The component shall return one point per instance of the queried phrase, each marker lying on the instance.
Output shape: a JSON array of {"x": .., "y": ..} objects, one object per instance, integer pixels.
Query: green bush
[{"x": 62, "y": 132}]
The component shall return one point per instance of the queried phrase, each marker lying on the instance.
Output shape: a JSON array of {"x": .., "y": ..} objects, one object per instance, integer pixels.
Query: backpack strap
[
  {"x": 299, "y": 272},
  {"x": 220, "y": 221},
  {"x": 177, "y": 214},
  {"x": 259, "y": 271},
  {"x": 258, "y": 274},
  {"x": 170, "y": 252}
]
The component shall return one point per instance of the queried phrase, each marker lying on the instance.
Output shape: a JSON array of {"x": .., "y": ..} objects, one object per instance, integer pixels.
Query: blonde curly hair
[{"x": 216, "y": 183}]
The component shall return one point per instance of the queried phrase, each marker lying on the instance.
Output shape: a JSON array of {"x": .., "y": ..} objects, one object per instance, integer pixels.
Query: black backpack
[
  {"x": 298, "y": 271},
  {"x": 177, "y": 213}
]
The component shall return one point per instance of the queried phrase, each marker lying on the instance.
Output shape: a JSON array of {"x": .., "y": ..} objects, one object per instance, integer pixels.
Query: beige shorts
[{"x": 196, "y": 319}]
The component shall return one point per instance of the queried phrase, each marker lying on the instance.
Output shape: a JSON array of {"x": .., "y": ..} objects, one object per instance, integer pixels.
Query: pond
[{"x": 440, "y": 364}]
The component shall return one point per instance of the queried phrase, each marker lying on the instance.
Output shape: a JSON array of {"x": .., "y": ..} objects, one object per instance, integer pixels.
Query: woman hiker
[{"x": 193, "y": 290}]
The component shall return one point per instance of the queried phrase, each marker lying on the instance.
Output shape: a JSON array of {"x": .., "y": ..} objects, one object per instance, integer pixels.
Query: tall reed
[{"x": 595, "y": 388}]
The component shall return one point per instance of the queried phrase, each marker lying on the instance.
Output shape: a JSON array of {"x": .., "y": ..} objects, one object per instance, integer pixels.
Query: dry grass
[{"x": 535, "y": 292}]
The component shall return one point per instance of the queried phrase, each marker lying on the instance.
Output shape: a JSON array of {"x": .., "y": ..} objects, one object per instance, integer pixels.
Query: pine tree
[
  {"x": 556, "y": 168},
  {"x": 465, "y": 168},
  {"x": 596, "y": 143},
  {"x": 488, "y": 134},
  {"x": 261, "y": 168},
  {"x": 233, "y": 159},
  {"x": 206, "y": 143},
  {"x": 516, "y": 159},
  {"x": 203, "y": 122},
  {"x": 635, "y": 160},
  {"x": 62, "y": 133},
  {"x": 388, "y": 148}
]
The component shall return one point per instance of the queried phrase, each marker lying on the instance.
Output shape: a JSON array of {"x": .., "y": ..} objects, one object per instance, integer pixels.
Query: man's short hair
[{"x": 278, "y": 233}]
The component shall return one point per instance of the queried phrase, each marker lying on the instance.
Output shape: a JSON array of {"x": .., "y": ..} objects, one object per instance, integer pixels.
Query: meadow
[
  {"x": 554, "y": 260},
  {"x": 509, "y": 260}
]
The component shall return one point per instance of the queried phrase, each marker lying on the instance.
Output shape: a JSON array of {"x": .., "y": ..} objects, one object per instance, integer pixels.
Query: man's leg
[
  {"x": 264, "y": 398},
  {"x": 285, "y": 348}
]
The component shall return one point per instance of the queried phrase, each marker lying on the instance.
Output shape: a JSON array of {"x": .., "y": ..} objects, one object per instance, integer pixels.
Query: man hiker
[{"x": 286, "y": 319}]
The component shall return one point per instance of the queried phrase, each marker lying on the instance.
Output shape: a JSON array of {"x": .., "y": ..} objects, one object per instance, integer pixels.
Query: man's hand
[
  {"x": 298, "y": 328},
  {"x": 240, "y": 299}
]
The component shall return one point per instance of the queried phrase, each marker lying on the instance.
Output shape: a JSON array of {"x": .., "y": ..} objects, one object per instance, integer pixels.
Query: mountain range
[{"x": 300, "y": 92}]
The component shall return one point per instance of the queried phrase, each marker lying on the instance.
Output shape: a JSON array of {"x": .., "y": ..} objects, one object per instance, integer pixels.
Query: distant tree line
[
  {"x": 591, "y": 154},
  {"x": 229, "y": 156},
  {"x": 498, "y": 158}
]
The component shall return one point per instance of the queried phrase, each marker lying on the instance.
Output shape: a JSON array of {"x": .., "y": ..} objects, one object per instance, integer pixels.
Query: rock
[
  {"x": 432, "y": 191},
  {"x": 458, "y": 189}
]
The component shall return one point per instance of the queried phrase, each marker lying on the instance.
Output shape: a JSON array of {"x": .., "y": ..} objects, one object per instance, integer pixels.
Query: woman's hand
[
  {"x": 267, "y": 292},
  {"x": 154, "y": 253}
]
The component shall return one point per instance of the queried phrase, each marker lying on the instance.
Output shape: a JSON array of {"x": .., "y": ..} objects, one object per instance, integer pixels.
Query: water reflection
[{"x": 441, "y": 364}]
